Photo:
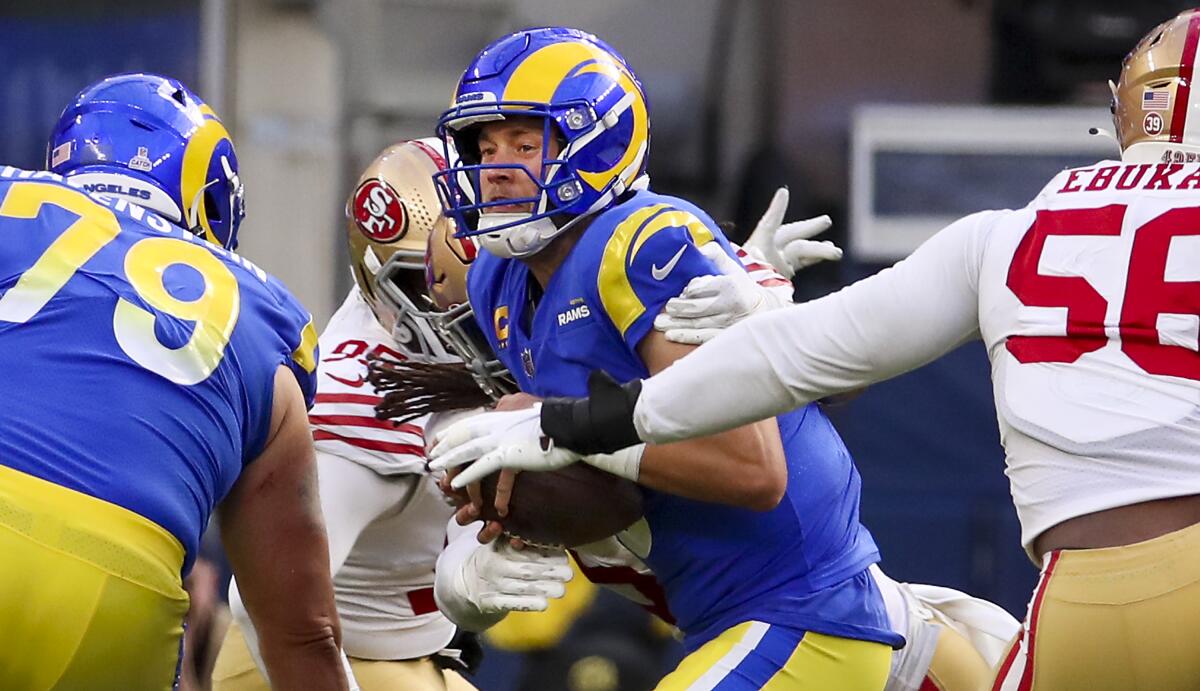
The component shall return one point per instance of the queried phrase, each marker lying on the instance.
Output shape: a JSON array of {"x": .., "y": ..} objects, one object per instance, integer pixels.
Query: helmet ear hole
[
  {"x": 212, "y": 210},
  {"x": 466, "y": 143}
]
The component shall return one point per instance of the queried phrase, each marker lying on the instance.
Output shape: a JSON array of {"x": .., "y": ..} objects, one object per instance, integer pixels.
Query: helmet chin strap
[
  {"x": 193, "y": 214},
  {"x": 521, "y": 240}
]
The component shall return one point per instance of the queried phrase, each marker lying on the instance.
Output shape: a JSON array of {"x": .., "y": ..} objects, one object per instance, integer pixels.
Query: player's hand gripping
[
  {"x": 497, "y": 578},
  {"x": 496, "y": 440},
  {"x": 787, "y": 246},
  {"x": 709, "y": 304}
]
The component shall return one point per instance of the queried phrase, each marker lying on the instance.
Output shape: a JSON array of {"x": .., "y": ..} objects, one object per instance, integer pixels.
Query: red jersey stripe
[
  {"x": 371, "y": 444},
  {"x": 347, "y": 398},
  {"x": 421, "y": 600},
  {"x": 646, "y": 584},
  {"x": 364, "y": 421},
  {"x": 772, "y": 282}
]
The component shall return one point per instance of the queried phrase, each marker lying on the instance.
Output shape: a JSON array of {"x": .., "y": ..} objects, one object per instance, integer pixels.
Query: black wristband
[{"x": 600, "y": 423}]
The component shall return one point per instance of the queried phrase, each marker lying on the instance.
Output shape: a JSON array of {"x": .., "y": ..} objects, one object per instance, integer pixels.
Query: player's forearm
[
  {"x": 287, "y": 590},
  {"x": 877, "y": 328},
  {"x": 274, "y": 536},
  {"x": 743, "y": 467}
]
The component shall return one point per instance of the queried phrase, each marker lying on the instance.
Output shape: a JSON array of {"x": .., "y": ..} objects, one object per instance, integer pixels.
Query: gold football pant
[
  {"x": 956, "y": 665},
  {"x": 90, "y": 593},
  {"x": 236, "y": 671},
  {"x": 755, "y": 655},
  {"x": 1120, "y": 619}
]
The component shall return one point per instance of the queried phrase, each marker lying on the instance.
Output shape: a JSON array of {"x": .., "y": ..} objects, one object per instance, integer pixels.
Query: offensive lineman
[
  {"x": 150, "y": 377},
  {"x": 1087, "y": 302}
]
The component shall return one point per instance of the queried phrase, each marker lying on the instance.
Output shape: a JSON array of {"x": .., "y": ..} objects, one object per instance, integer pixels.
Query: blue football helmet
[
  {"x": 589, "y": 100},
  {"x": 151, "y": 140}
]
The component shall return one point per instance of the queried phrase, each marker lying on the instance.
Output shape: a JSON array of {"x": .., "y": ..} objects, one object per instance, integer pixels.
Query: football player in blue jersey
[
  {"x": 753, "y": 533},
  {"x": 150, "y": 377}
]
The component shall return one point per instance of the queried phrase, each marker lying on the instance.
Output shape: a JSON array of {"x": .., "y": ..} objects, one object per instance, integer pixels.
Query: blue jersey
[
  {"x": 138, "y": 361},
  {"x": 801, "y": 564}
]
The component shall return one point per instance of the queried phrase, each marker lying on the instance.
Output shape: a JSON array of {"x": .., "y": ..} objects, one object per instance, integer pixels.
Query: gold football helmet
[
  {"x": 437, "y": 308},
  {"x": 1155, "y": 112},
  {"x": 390, "y": 216}
]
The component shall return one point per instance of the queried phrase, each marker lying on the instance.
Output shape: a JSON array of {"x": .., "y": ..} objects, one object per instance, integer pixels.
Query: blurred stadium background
[{"x": 892, "y": 117}]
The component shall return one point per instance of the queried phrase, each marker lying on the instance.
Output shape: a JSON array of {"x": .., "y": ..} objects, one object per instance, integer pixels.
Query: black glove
[{"x": 600, "y": 423}]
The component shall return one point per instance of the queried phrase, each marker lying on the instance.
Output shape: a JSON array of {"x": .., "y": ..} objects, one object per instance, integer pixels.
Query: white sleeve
[
  {"x": 450, "y": 596},
  {"x": 877, "y": 328},
  {"x": 351, "y": 497}
]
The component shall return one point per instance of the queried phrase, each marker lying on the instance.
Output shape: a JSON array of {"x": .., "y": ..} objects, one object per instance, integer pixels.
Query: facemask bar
[
  {"x": 571, "y": 119},
  {"x": 455, "y": 329},
  {"x": 413, "y": 327}
]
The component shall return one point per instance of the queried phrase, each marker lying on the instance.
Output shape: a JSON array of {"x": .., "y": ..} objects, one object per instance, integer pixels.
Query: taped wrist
[
  {"x": 600, "y": 423},
  {"x": 626, "y": 463}
]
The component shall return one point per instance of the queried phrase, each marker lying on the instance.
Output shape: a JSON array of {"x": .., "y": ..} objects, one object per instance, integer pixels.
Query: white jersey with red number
[
  {"x": 343, "y": 418},
  {"x": 386, "y": 526},
  {"x": 1088, "y": 301}
]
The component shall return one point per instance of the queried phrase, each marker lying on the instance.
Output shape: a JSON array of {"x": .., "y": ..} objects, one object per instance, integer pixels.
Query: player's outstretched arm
[
  {"x": 274, "y": 536},
  {"x": 882, "y": 326}
]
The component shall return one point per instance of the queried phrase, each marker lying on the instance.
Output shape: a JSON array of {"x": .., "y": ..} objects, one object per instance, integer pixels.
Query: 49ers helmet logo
[{"x": 379, "y": 212}]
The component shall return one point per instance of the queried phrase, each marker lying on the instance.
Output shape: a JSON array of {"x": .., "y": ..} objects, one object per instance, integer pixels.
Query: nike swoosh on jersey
[
  {"x": 355, "y": 383},
  {"x": 660, "y": 274}
]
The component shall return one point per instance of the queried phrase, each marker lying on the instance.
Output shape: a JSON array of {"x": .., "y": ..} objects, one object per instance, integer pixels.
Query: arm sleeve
[
  {"x": 352, "y": 496},
  {"x": 882, "y": 326}
]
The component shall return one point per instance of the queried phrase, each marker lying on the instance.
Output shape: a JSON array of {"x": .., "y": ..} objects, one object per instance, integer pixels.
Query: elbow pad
[{"x": 602, "y": 422}]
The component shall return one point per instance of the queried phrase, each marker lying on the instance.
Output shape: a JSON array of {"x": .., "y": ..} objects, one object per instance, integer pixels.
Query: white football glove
[
  {"x": 495, "y": 440},
  {"x": 787, "y": 246},
  {"x": 498, "y": 578},
  {"x": 709, "y": 304},
  {"x": 476, "y": 585}
]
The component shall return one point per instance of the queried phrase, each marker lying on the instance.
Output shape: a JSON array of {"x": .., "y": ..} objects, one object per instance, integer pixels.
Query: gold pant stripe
[
  {"x": 701, "y": 661},
  {"x": 112, "y": 537},
  {"x": 816, "y": 662},
  {"x": 81, "y": 608}
]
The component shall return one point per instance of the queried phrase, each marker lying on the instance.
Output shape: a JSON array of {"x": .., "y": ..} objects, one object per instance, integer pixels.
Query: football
[{"x": 571, "y": 506}]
